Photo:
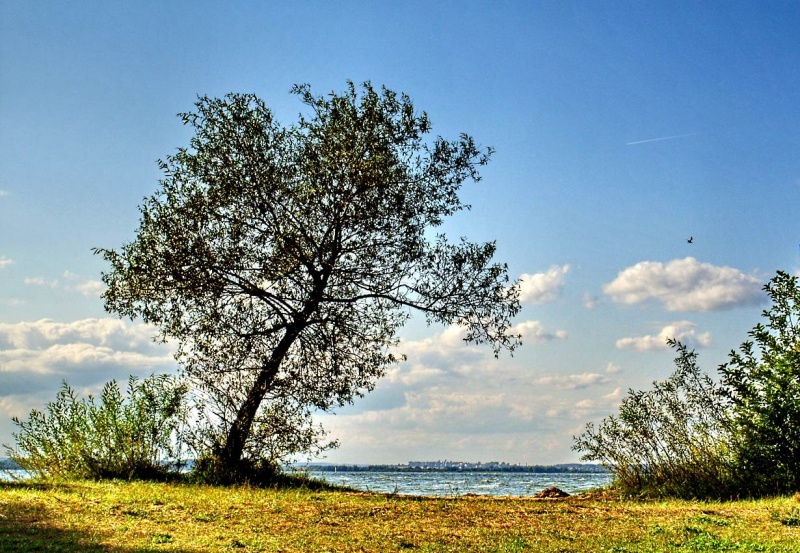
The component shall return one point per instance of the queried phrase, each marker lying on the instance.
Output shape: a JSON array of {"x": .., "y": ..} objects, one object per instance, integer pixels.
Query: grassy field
[{"x": 114, "y": 516}]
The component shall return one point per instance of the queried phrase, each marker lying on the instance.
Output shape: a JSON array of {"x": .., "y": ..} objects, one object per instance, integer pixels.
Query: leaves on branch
[{"x": 284, "y": 259}]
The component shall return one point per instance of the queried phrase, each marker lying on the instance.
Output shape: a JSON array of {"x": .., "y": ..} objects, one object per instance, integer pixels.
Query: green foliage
[
  {"x": 689, "y": 437},
  {"x": 135, "y": 436},
  {"x": 674, "y": 440},
  {"x": 284, "y": 259},
  {"x": 763, "y": 380}
]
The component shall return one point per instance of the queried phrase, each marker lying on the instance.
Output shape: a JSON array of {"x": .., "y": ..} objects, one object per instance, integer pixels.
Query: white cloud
[
  {"x": 543, "y": 287},
  {"x": 41, "y": 281},
  {"x": 572, "y": 381},
  {"x": 613, "y": 368},
  {"x": 446, "y": 349},
  {"x": 533, "y": 332},
  {"x": 72, "y": 282},
  {"x": 92, "y": 288},
  {"x": 5, "y": 261},
  {"x": 446, "y": 353},
  {"x": 3, "y": 193},
  {"x": 450, "y": 399},
  {"x": 590, "y": 301},
  {"x": 685, "y": 285},
  {"x": 106, "y": 332},
  {"x": 605, "y": 404},
  {"x": 683, "y": 331},
  {"x": 37, "y": 355}
]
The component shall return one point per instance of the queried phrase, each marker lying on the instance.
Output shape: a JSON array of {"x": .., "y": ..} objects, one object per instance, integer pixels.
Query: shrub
[
  {"x": 677, "y": 439},
  {"x": 764, "y": 385},
  {"x": 135, "y": 436},
  {"x": 689, "y": 437}
]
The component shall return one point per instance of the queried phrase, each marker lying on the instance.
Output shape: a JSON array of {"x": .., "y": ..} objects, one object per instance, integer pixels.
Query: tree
[
  {"x": 283, "y": 260},
  {"x": 765, "y": 388}
]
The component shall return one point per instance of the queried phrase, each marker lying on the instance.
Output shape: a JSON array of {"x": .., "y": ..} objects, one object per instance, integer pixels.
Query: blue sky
[{"x": 620, "y": 128}]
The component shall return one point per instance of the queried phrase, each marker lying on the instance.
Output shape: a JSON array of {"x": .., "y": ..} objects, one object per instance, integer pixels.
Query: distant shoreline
[
  {"x": 7, "y": 464},
  {"x": 542, "y": 469}
]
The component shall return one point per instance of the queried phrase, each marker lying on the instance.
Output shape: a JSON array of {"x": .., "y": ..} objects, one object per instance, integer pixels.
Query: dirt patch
[{"x": 551, "y": 493}]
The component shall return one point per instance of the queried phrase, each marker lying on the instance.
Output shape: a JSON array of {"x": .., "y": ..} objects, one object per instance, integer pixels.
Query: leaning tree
[{"x": 282, "y": 260}]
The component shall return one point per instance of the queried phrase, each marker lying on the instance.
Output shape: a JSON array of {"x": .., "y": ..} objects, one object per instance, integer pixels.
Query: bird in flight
[{"x": 690, "y": 239}]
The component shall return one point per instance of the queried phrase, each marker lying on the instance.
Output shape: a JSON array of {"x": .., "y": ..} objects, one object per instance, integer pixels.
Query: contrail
[{"x": 659, "y": 139}]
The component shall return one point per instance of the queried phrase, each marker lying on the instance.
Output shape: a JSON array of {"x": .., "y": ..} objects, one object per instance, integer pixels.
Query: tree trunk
[{"x": 231, "y": 455}]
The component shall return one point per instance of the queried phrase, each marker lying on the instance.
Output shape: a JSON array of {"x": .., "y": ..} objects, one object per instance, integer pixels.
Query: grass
[{"x": 147, "y": 517}]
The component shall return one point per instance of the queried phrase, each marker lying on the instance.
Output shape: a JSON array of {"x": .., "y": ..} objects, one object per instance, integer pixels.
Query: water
[
  {"x": 461, "y": 483},
  {"x": 13, "y": 475},
  {"x": 445, "y": 484}
]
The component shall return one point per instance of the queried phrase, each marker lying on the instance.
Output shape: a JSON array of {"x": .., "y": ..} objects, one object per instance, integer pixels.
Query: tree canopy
[{"x": 283, "y": 260}]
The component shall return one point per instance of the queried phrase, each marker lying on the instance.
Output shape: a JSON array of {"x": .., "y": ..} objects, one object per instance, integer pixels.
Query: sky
[{"x": 621, "y": 129}]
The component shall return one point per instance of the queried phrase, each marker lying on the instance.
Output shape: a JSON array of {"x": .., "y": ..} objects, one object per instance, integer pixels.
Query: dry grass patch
[{"x": 113, "y": 516}]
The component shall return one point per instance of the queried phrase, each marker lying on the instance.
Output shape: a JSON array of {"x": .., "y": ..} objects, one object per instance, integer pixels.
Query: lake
[
  {"x": 443, "y": 484},
  {"x": 432, "y": 483}
]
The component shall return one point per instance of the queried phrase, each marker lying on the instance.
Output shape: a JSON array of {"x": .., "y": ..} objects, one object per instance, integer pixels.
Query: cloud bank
[
  {"x": 685, "y": 285},
  {"x": 35, "y": 357},
  {"x": 452, "y": 399}
]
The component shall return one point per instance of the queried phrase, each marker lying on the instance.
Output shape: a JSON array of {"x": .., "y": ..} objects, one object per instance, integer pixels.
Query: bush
[
  {"x": 677, "y": 439},
  {"x": 135, "y": 437},
  {"x": 689, "y": 437},
  {"x": 764, "y": 386}
]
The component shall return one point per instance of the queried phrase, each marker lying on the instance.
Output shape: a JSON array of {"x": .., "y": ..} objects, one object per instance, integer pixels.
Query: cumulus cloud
[
  {"x": 91, "y": 288},
  {"x": 605, "y": 403},
  {"x": 449, "y": 399},
  {"x": 613, "y": 368},
  {"x": 543, "y": 287},
  {"x": 445, "y": 349},
  {"x": 685, "y": 285},
  {"x": 477, "y": 419},
  {"x": 446, "y": 353},
  {"x": 36, "y": 356},
  {"x": 533, "y": 332},
  {"x": 683, "y": 331},
  {"x": 5, "y": 261},
  {"x": 572, "y": 409},
  {"x": 71, "y": 281}
]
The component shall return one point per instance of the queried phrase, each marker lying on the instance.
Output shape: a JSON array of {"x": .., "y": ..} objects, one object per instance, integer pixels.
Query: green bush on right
[{"x": 693, "y": 437}]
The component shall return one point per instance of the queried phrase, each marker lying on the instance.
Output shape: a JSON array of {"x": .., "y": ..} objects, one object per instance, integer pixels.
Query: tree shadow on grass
[{"x": 29, "y": 527}]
